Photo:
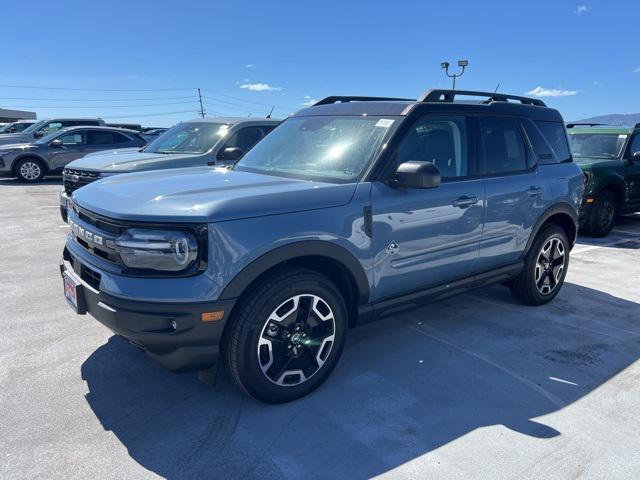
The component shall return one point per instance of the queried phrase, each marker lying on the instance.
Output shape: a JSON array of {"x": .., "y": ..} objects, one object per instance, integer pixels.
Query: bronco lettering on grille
[{"x": 85, "y": 234}]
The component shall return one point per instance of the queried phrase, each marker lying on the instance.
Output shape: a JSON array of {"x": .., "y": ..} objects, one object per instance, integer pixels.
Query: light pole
[{"x": 461, "y": 63}]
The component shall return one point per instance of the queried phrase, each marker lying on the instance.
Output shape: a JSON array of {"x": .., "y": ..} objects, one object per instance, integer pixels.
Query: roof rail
[
  {"x": 450, "y": 95},
  {"x": 343, "y": 99},
  {"x": 584, "y": 124}
]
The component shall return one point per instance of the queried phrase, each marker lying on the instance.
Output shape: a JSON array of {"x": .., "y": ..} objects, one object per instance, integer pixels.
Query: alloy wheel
[
  {"x": 606, "y": 215},
  {"x": 30, "y": 170},
  {"x": 296, "y": 340},
  {"x": 550, "y": 265}
]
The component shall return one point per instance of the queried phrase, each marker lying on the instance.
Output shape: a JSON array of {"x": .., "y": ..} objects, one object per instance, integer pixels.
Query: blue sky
[{"x": 246, "y": 56}]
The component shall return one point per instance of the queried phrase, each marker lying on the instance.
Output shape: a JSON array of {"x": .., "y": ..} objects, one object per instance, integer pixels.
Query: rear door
[
  {"x": 427, "y": 237},
  {"x": 515, "y": 190}
]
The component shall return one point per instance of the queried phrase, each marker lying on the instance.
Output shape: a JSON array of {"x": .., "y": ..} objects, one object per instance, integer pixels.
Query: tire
[
  {"x": 543, "y": 274},
  {"x": 603, "y": 214},
  {"x": 29, "y": 170},
  {"x": 286, "y": 336}
]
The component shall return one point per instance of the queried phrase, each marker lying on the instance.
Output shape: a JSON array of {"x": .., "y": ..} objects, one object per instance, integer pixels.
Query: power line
[
  {"x": 99, "y": 89},
  {"x": 101, "y": 106},
  {"x": 97, "y": 99},
  {"x": 246, "y": 101},
  {"x": 154, "y": 114}
]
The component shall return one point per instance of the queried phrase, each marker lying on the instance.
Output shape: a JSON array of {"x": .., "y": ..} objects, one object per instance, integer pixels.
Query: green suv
[{"x": 610, "y": 160}]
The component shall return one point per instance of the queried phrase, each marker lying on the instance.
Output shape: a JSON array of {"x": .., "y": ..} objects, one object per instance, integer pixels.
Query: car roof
[
  {"x": 99, "y": 127},
  {"x": 434, "y": 100},
  {"x": 235, "y": 120}
]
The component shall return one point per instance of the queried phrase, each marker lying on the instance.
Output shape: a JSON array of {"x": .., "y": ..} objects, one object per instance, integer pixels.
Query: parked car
[
  {"x": 16, "y": 127},
  {"x": 30, "y": 162},
  {"x": 43, "y": 128},
  {"x": 610, "y": 160},
  {"x": 348, "y": 211},
  {"x": 203, "y": 141},
  {"x": 153, "y": 133}
]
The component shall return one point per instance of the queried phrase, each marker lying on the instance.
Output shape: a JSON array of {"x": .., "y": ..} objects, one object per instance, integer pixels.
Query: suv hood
[
  {"x": 128, "y": 160},
  {"x": 15, "y": 146},
  {"x": 6, "y": 138},
  {"x": 206, "y": 194},
  {"x": 587, "y": 163}
]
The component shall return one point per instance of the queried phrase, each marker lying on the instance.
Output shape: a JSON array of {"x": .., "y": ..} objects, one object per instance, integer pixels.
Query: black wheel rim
[
  {"x": 550, "y": 265},
  {"x": 296, "y": 340},
  {"x": 606, "y": 214}
]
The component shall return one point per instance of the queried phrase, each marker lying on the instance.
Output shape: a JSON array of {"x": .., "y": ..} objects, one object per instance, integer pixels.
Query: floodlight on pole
[{"x": 463, "y": 64}]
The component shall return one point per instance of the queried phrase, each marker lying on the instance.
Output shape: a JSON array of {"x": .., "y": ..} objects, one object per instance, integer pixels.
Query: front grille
[{"x": 74, "y": 179}]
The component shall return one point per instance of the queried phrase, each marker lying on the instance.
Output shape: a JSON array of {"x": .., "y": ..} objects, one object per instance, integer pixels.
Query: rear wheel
[
  {"x": 29, "y": 170},
  {"x": 602, "y": 216},
  {"x": 545, "y": 267},
  {"x": 287, "y": 336}
]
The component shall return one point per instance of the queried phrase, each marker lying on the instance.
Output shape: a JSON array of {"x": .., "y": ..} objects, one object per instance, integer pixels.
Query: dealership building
[{"x": 14, "y": 115}]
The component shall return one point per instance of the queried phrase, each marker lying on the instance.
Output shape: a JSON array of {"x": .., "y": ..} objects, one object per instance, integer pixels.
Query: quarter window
[
  {"x": 439, "y": 140},
  {"x": 556, "y": 135},
  {"x": 503, "y": 145}
]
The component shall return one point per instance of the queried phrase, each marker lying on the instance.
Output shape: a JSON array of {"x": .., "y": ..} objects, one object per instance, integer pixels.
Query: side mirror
[
  {"x": 635, "y": 157},
  {"x": 415, "y": 174},
  {"x": 57, "y": 143},
  {"x": 38, "y": 134},
  {"x": 231, "y": 153}
]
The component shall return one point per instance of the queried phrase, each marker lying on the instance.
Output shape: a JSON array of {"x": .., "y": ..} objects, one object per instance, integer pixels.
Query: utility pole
[
  {"x": 201, "y": 107},
  {"x": 461, "y": 63}
]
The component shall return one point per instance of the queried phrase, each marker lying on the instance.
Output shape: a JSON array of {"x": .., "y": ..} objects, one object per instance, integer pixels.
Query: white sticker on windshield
[{"x": 384, "y": 123}]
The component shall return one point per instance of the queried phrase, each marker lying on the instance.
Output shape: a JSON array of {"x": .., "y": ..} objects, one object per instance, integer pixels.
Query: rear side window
[
  {"x": 556, "y": 135},
  {"x": 97, "y": 137},
  {"x": 503, "y": 145},
  {"x": 541, "y": 148}
]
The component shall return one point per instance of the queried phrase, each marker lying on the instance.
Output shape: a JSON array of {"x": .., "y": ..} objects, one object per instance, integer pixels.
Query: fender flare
[
  {"x": 295, "y": 250},
  {"x": 612, "y": 180},
  {"x": 30, "y": 155},
  {"x": 563, "y": 208}
]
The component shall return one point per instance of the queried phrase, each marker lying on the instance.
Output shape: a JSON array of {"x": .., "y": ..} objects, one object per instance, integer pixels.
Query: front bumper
[
  {"x": 63, "y": 204},
  {"x": 192, "y": 345}
]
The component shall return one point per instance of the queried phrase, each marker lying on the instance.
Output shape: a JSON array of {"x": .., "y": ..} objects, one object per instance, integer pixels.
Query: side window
[
  {"x": 99, "y": 137},
  {"x": 73, "y": 138},
  {"x": 503, "y": 145},
  {"x": 634, "y": 145},
  {"x": 440, "y": 140},
  {"x": 50, "y": 127},
  {"x": 556, "y": 135},
  {"x": 244, "y": 139},
  {"x": 540, "y": 148}
]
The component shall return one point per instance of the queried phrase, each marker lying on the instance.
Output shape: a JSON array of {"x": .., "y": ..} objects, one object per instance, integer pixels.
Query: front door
[
  {"x": 633, "y": 173},
  {"x": 74, "y": 146},
  {"x": 427, "y": 237}
]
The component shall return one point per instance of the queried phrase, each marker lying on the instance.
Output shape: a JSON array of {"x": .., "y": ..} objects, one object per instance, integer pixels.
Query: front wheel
[
  {"x": 287, "y": 336},
  {"x": 29, "y": 170},
  {"x": 545, "y": 267},
  {"x": 602, "y": 216}
]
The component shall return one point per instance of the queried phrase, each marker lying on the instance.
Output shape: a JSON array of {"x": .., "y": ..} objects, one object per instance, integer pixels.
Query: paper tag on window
[{"x": 384, "y": 123}]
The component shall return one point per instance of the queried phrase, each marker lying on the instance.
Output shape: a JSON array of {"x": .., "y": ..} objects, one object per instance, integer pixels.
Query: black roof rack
[
  {"x": 343, "y": 99},
  {"x": 584, "y": 124},
  {"x": 450, "y": 95}
]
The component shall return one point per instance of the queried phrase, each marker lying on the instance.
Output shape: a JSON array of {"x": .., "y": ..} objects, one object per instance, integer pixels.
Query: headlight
[{"x": 161, "y": 250}]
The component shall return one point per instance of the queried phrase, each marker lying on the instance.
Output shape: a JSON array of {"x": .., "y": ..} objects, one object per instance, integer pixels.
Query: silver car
[{"x": 30, "y": 162}]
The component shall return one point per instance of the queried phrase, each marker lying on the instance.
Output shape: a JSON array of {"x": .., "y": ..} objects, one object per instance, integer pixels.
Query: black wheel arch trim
[
  {"x": 295, "y": 250},
  {"x": 615, "y": 184},
  {"x": 560, "y": 208}
]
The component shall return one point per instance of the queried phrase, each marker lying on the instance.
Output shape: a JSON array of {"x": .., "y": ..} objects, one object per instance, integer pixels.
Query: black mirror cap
[
  {"x": 57, "y": 143},
  {"x": 38, "y": 134},
  {"x": 415, "y": 174},
  {"x": 635, "y": 157},
  {"x": 231, "y": 153}
]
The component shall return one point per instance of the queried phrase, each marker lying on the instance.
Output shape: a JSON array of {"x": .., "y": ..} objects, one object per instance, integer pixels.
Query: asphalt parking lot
[{"x": 477, "y": 386}]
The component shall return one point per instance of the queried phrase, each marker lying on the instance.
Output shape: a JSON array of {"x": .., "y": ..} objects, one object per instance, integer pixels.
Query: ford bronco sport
[
  {"x": 348, "y": 211},
  {"x": 610, "y": 159}
]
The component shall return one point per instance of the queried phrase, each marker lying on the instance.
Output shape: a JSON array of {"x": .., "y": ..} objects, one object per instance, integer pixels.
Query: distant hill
[{"x": 614, "y": 119}]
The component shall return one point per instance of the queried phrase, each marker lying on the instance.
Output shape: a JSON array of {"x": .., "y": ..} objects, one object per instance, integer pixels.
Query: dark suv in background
[
  {"x": 610, "y": 159},
  {"x": 30, "y": 162},
  {"x": 203, "y": 141},
  {"x": 348, "y": 211},
  {"x": 16, "y": 127},
  {"x": 46, "y": 127}
]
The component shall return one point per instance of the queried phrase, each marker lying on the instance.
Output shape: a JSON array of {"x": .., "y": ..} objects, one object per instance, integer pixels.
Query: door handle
[
  {"x": 534, "y": 191},
  {"x": 465, "y": 202}
]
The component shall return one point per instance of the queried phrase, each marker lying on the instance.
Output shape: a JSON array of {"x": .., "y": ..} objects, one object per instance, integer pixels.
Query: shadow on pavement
[
  {"x": 14, "y": 182},
  {"x": 404, "y": 387}
]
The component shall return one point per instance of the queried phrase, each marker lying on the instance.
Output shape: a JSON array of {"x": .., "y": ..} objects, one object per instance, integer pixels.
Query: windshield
[
  {"x": 334, "y": 149},
  {"x": 34, "y": 127},
  {"x": 192, "y": 138},
  {"x": 597, "y": 145}
]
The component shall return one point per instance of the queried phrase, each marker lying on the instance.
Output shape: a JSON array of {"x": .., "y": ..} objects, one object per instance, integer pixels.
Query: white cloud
[
  {"x": 580, "y": 9},
  {"x": 260, "y": 87},
  {"x": 551, "y": 92},
  {"x": 249, "y": 65},
  {"x": 308, "y": 101},
  {"x": 596, "y": 83},
  {"x": 636, "y": 70}
]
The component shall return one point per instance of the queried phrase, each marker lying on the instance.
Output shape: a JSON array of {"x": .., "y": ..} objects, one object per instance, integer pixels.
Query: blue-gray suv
[{"x": 350, "y": 210}]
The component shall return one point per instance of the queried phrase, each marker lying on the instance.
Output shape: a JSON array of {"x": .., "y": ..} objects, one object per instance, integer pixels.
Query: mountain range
[{"x": 613, "y": 119}]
